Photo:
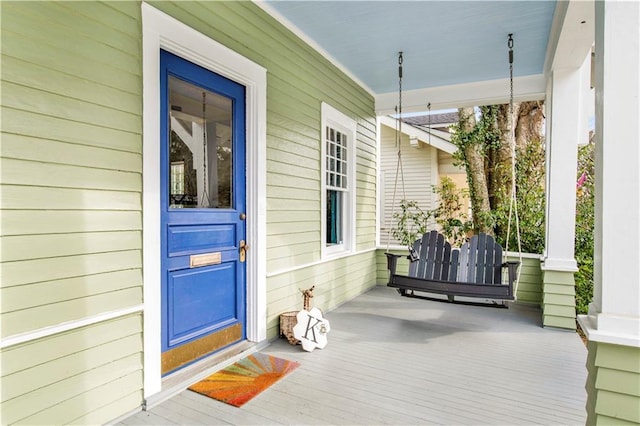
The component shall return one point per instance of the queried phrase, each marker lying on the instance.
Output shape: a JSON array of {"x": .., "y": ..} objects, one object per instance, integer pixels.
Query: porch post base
[
  {"x": 613, "y": 384},
  {"x": 558, "y": 298}
]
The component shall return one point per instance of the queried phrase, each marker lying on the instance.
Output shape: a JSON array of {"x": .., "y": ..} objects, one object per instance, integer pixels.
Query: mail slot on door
[{"x": 205, "y": 259}]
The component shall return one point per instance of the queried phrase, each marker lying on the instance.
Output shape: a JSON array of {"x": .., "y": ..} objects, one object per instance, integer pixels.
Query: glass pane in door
[{"x": 200, "y": 147}]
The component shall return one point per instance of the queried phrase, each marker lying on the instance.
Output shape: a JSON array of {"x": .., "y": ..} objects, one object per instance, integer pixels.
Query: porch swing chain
[
  {"x": 513, "y": 203},
  {"x": 430, "y": 130},
  {"x": 399, "y": 170},
  {"x": 205, "y": 195},
  {"x": 399, "y": 123}
]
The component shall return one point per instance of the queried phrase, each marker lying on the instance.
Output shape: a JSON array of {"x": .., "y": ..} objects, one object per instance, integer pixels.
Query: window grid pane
[{"x": 336, "y": 174}]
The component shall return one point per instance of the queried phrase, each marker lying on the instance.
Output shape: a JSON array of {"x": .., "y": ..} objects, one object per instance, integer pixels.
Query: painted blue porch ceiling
[{"x": 444, "y": 43}]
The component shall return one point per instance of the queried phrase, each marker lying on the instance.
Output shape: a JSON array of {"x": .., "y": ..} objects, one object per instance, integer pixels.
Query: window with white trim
[
  {"x": 177, "y": 177},
  {"x": 338, "y": 182}
]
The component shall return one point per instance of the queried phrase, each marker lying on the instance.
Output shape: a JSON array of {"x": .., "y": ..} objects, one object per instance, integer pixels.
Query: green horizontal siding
[
  {"x": 71, "y": 154},
  {"x": 71, "y": 182},
  {"x": 31, "y": 173},
  {"x": 26, "y": 123},
  {"x": 39, "y": 294},
  {"x": 558, "y": 299},
  {"x": 18, "y": 197},
  {"x": 37, "y": 317},
  {"x": 61, "y": 368},
  {"x": 58, "y": 379},
  {"x": 60, "y": 106},
  {"x": 335, "y": 282},
  {"x": 613, "y": 384},
  {"x": 22, "y": 247},
  {"x": 34, "y": 222},
  {"x": 38, "y": 270},
  {"x": 620, "y": 381}
]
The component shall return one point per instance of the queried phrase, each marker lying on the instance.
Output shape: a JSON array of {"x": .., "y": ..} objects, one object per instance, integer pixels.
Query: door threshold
[{"x": 180, "y": 380}]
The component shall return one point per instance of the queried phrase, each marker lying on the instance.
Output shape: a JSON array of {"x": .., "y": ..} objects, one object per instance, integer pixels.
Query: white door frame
[{"x": 160, "y": 31}]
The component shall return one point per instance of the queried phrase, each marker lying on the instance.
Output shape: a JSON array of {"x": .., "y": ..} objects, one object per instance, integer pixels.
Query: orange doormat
[{"x": 240, "y": 382}]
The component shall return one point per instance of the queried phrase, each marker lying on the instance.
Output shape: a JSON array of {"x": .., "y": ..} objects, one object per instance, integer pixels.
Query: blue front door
[{"x": 203, "y": 211}]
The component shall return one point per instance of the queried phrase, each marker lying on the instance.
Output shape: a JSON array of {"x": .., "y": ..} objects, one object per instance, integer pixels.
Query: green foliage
[
  {"x": 530, "y": 196},
  {"x": 450, "y": 216},
  {"x": 481, "y": 137},
  {"x": 462, "y": 139},
  {"x": 484, "y": 133},
  {"x": 530, "y": 181},
  {"x": 411, "y": 222},
  {"x": 455, "y": 224},
  {"x": 585, "y": 213}
]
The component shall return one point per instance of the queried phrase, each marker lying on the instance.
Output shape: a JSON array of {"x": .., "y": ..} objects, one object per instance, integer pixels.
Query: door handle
[{"x": 243, "y": 250}]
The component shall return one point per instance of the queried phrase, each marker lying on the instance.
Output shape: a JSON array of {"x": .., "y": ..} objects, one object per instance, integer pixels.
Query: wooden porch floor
[{"x": 396, "y": 360}]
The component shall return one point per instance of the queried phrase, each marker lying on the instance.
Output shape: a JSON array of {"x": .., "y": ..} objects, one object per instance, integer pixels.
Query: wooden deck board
[
  {"x": 397, "y": 360},
  {"x": 174, "y": 410},
  {"x": 353, "y": 400},
  {"x": 442, "y": 381},
  {"x": 149, "y": 418},
  {"x": 284, "y": 404},
  {"x": 222, "y": 411}
]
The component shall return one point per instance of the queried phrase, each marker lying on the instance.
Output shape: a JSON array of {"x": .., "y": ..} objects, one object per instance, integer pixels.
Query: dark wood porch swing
[{"x": 473, "y": 270}]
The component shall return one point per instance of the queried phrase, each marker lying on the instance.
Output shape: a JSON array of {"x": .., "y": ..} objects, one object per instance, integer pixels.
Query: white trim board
[
  {"x": 161, "y": 31},
  {"x": 320, "y": 262},
  {"x": 491, "y": 92},
  {"x": 67, "y": 326}
]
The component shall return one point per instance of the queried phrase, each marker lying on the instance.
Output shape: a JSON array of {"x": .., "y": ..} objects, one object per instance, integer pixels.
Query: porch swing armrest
[
  {"x": 512, "y": 268},
  {"x": 392, "y": 262}
]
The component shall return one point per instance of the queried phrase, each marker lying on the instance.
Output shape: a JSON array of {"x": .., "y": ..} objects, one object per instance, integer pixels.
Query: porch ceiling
[{"x": 445, "y": 43}]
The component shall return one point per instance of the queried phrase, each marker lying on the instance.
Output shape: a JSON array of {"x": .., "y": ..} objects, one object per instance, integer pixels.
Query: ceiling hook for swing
[{"x": 510, "y": 46}]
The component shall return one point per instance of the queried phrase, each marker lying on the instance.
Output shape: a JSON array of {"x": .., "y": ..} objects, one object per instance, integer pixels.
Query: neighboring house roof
[
  {"x": 435, "y": 120},
  {"x": 437, "y": 138}
]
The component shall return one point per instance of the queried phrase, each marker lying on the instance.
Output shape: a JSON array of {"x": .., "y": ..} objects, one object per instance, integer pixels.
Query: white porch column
[
  {"x": 613, "y": 322},
  {"x": 615, "y": 311},
  {"x": 566, "y": 126}
]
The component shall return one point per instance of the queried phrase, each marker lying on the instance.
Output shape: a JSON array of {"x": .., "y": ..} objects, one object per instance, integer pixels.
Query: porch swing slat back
[{"x": 473, "y": 270}]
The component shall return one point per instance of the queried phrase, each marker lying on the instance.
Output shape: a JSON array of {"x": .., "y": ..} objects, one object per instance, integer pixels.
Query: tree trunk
[
  {"x": 530, "y": 116},
  {"x": 478, "y": 190},
  {"x": 498, "y": 163}
]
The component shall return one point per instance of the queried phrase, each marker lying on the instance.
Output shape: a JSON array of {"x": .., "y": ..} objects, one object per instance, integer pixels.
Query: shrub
[
  {"x": 585, "y": 213},
  {"x": 411, "y": 222}
]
